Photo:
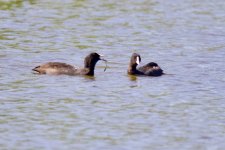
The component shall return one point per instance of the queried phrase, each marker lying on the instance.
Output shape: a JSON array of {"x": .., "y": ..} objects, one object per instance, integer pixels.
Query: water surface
[{"x": 182, "y": 110}]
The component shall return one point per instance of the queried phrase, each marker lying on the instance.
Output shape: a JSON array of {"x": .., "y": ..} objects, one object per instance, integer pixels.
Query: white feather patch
[{"x": 138, "y": 60}]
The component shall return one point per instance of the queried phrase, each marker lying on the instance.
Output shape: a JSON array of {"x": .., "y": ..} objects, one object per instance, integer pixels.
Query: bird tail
[{"x": 36, "y": 69}]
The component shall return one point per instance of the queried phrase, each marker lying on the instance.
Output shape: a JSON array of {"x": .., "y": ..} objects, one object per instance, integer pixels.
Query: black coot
[
  {"x": 58, "y": 68},
  {"x": 150, "y": 69}
]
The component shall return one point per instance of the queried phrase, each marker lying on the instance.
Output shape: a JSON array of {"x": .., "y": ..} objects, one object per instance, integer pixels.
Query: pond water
[{"x": 181, "y": 110}]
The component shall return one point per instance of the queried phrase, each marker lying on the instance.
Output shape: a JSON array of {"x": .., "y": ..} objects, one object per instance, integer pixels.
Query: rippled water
[{"x": 181, "y": 110}]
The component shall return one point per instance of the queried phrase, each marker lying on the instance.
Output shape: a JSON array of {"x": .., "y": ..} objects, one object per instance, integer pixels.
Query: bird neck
[
  {"x": 90, "y": 67},
  {"x": 132, "y": 68}
]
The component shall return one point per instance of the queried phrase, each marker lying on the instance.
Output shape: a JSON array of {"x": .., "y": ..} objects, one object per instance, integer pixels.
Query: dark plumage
[
  {"x": 150, "y": 69},
  {"x": 58, "y": 68}
]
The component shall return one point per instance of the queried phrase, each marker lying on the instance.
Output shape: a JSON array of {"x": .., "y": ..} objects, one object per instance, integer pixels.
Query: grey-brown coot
[
  {"x": 58, "y": 68},
  {"x": 150, "y": 69}
]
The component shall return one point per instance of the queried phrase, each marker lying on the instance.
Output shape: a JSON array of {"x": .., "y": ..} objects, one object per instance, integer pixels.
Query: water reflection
[
  {"x": 89, "y": 78},
  {"x": 132, "y": 77}
]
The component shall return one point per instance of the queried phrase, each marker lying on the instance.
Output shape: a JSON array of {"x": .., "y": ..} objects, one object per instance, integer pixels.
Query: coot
[
  {"x": 150, "y": 69},
  {"x": 58, "y": 68}
]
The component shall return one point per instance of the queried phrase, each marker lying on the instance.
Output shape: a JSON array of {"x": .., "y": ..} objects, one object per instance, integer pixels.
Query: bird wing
[{"x": 54, "y": 68}]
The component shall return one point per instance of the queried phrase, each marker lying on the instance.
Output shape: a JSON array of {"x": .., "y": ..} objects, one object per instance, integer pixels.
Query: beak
[
  {"x": 138, "y": 60},
  {"x": 102, "y": 58}
]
